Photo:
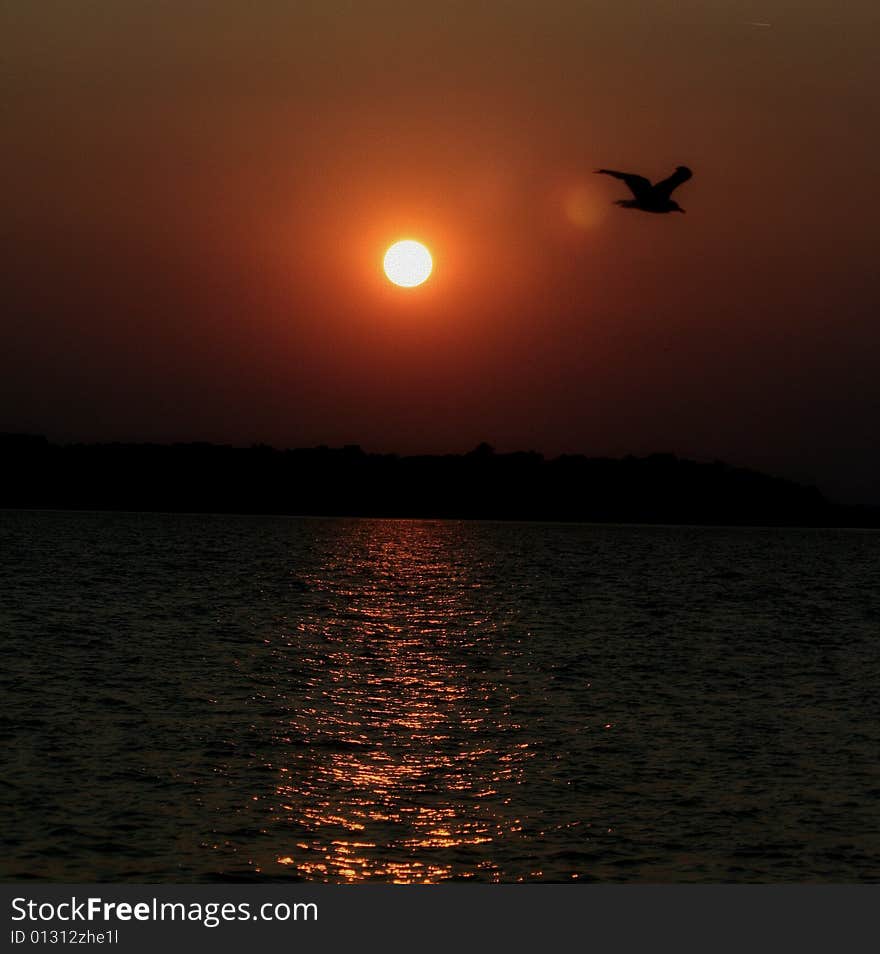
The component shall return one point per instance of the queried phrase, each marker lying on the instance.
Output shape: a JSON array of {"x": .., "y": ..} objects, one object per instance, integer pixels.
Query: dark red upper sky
[{"x": 197, "y": 198}]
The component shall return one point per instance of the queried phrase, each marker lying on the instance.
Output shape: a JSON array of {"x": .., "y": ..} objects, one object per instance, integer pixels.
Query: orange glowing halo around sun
[{"x": 408, "y": 263}]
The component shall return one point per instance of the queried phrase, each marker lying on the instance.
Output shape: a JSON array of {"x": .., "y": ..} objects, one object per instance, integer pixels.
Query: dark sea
[{"x": 192, "y": 698}]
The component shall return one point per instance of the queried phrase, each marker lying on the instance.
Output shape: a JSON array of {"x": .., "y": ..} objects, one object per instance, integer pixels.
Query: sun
[{"x": 408, "y": 263}]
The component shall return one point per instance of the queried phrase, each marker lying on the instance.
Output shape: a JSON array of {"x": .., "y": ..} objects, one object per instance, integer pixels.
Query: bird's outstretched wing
[
  {"x": 665, "y": 187},
  {"x": 639, "y": 185}
]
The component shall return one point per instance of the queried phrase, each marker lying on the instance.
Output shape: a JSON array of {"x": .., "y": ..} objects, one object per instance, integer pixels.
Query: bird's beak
[{"x": 681, "y": 210}]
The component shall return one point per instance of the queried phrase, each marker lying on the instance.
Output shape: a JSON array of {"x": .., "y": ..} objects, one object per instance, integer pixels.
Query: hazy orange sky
[{"x": 197, "y": 197}]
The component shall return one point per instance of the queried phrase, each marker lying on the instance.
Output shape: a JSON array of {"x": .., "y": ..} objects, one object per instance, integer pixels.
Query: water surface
[{"x": 194, "y": 698}]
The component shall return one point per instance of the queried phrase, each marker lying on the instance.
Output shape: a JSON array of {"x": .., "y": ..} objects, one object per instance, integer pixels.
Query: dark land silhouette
[
  {"x": 650, "y": 198},
  {"x": 201, "y": 477}
]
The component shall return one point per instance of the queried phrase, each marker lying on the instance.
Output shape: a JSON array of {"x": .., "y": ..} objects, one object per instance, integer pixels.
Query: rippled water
[{"x": 191, "y": 698}]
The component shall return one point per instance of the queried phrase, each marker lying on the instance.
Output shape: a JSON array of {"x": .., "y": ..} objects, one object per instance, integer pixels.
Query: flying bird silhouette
[{"x": 650, "y": 198}]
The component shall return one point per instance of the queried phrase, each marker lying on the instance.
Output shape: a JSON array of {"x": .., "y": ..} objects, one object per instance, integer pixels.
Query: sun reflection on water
[{"x": 394, "y": 772}]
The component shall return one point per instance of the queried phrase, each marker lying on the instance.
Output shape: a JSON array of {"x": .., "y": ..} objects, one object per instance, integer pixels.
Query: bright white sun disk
[{"x": 408, "y": 263}]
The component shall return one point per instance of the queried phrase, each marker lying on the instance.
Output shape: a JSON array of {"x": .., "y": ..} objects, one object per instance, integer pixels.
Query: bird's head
[{"x": 675, "y": 207}]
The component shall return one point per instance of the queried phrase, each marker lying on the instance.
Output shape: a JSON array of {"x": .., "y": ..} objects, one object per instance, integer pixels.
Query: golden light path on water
[{"x": 400, "y": 774}]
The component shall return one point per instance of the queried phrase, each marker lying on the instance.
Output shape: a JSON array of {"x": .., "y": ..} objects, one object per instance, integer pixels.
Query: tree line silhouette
[{"x": 202, "y": 477}]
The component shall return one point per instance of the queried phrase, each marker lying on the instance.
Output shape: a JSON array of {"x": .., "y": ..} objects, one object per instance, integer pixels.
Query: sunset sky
[{"x": 197, "y": 198}]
